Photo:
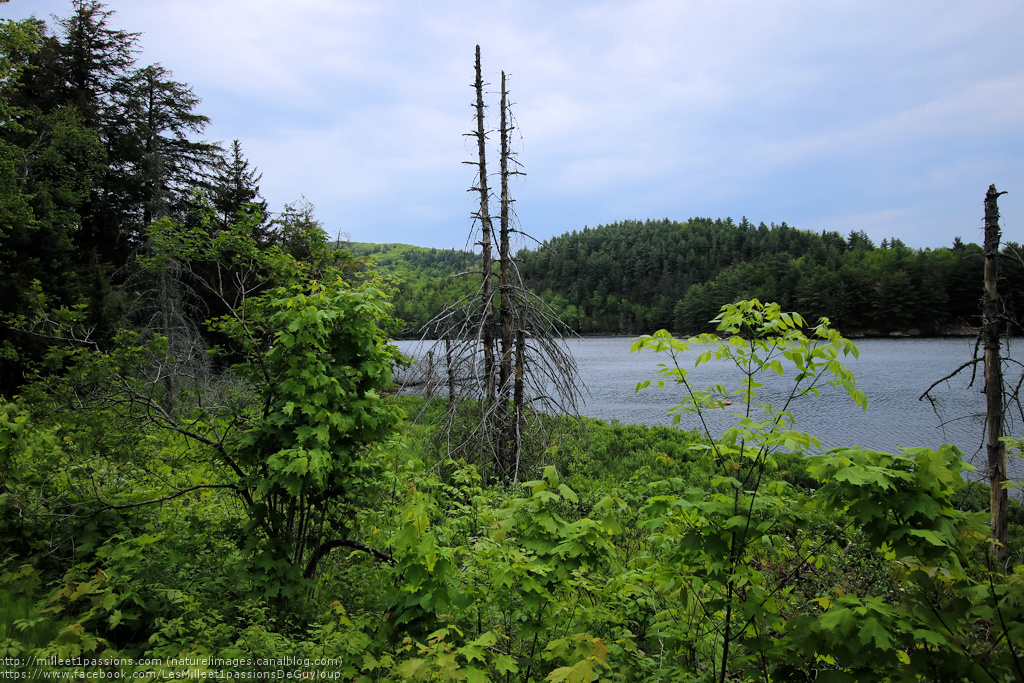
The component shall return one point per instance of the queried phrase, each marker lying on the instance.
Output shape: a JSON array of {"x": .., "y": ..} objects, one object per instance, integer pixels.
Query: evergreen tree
[
  {"x": 859, "y": 239},
  {"x": 235, "y": 186},
  {"x": 90, "y": 61},
  {"x": 93, "y": 57},
  {"x": 157, "y": 164},
  {"x": 49, "y": 162}
]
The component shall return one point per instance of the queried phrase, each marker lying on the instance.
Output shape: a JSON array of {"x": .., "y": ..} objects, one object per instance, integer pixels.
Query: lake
[{"x": 892, "y": 372}]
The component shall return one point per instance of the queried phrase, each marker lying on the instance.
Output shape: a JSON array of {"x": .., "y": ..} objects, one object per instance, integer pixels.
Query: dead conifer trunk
[
  {"x": 504, "y": 271},
  {"x": 486, "y": 230},
  {"x": 450, "y": 369},
  {"x": 507, "y": 446},
  {"x": 505, "y": 409},
  {"x": 996, "y": 448},
  {"x": 518, "y": 396}
]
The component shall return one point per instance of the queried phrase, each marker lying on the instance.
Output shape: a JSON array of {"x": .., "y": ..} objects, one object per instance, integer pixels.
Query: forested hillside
[
  {"x": 425, "y": 280},
  {"x": 633, "y": 277}
]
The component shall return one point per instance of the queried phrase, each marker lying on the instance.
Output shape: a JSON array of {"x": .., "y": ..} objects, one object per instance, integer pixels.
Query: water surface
[{"x": 892, "y": 372}]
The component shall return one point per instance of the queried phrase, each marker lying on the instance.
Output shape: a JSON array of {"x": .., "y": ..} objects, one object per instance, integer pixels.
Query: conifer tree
[
  {"x": 157, "y": 163},
  {"x": 92, "y": 58},
  {"x": 235, "y": 186}
]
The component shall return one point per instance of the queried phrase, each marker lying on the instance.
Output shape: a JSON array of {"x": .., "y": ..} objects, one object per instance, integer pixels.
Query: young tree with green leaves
[
  {"x": 757, "y": 587},
  {"x": 738, "y": 524},
  {"x": 290, "y": 431}
]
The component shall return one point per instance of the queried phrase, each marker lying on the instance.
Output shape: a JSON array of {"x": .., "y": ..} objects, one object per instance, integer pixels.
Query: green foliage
[
  {"x": 754, "y": 583},
  {"x": 636, "y": 276},
  {"x": 490, "y": 600},
  {"x": 306, "y": 458},
  {"x": 315, "y": 353},
  {"x": 425, "y": 280},
  {"x": 693, "y": 559},
  {"x": 290, "y": 433},
  {"x": 950, "y": 619}
]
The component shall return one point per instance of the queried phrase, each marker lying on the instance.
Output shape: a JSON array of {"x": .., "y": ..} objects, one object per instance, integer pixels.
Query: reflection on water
[{"x": 892, "y": 372}]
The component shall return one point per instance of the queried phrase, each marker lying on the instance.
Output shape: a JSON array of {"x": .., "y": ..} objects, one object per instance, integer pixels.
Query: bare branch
[
  {"x": 969, "y": 364},
  {"x": 154, "y": 501}
]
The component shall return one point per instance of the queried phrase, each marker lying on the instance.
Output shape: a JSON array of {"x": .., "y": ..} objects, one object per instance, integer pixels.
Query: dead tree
[
  {"x": 486, "y": 231},
  {"x": 995, "y": 448},
  {"x": 523, "y": 372},
  {"x": 989, "y": 340},
  {"x": 508, "y": 447}
]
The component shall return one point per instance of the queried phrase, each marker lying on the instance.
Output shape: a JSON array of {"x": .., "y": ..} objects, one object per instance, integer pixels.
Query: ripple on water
[{"x": 892, "y": 372}]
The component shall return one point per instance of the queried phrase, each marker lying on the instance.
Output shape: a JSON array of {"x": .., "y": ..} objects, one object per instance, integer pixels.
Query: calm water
[{"x": 892, "y": 372}]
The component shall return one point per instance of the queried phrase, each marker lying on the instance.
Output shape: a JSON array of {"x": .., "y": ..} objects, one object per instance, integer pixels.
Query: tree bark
[
  {"x": 508, "y": 452},
  {"x": 450, "y": 369},
  {"x": 504, "y": 271},
  {"x": 486, "y": 229},
  {"x": 518, "y": 394},
  {"x": 996, "y": 448}
]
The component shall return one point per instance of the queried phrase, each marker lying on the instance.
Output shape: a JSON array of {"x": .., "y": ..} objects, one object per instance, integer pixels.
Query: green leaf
[
  {"x": 407, "y": 537},
  {"x": 428, "y": 550},
  {"x": 873, "y": 630},
  {"x": 505, "y": 664},
  {"x": 568, "y": 493}
]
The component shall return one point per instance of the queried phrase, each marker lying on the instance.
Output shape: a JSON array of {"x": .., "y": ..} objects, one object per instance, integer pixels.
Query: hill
[
  {"x": 634, "y": 277},
  {"x": 425, "y": 279}
]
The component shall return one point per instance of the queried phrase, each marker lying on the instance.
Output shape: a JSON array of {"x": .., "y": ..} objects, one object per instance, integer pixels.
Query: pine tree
[
  {"x": 157, "y": 164},
  {"x": 92, "y": 58},
  {"x": 235, "y": 186},
  {"x": 82, "y": 71}
]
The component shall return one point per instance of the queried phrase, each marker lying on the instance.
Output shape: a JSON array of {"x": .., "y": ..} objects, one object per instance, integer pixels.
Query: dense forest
[
  {"x": 207, "y": 471},
  {"x": 633, "y": 277},
  {"x": 424, "y": 280}
]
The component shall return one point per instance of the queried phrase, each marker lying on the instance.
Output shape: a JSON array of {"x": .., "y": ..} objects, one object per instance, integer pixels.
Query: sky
[{"x": 888, "y": 117}]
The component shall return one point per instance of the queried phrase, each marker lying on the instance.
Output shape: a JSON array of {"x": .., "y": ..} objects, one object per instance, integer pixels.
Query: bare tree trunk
[
  {"x": 518, "y": 394},
  {"x": 486, "y": 229},
  {"x": 505, "y": 276},
  {"x": 994, "y": 377},
  {"x": 508, "y": 452},
  {"x": 428, "y": 389}
]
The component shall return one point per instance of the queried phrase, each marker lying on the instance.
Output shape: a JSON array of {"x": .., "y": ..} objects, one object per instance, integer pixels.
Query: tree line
[{"x": 632, "y": 277}]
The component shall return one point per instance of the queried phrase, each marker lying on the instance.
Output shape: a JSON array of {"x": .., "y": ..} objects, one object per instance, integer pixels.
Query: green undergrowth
[{"x": 624, "y": 553}]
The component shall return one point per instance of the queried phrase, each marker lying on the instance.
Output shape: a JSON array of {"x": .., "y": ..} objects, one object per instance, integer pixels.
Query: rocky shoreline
[{"x": 949, "y": 331}]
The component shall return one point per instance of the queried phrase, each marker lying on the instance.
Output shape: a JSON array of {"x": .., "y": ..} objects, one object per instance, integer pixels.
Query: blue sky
[{"x": 887, "y": 117}]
